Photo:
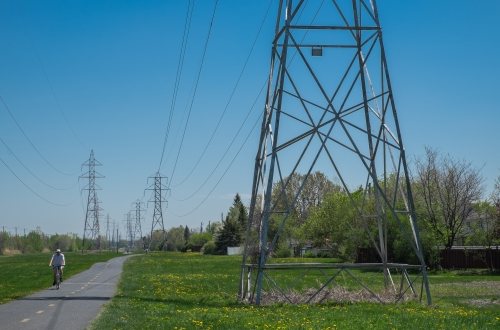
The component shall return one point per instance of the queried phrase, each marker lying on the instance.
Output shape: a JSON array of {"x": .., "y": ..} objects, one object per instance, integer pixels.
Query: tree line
[
  {"x": 449, "y": 204},
  {"x": 36, "y": 241}
]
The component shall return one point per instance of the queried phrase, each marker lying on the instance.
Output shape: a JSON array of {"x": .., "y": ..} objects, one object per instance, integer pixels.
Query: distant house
[
  {"x": 234, "y": 250},
  {"x": 475, "y": 221}
]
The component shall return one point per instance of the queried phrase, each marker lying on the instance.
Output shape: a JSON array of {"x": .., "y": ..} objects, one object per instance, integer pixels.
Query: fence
[
  {"x": 464, "y": 257},
  {"x": 458, "y": 257}
]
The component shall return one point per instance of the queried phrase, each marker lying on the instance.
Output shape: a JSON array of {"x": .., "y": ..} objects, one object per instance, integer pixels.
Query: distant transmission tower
[
  {"x": 139, "y": 210},
  {"x": 113, "y": 237},
  {"x": 108, "y": 238},
  {"x": 330, "y": 108},
  {"x": 130, "y": 232},
  {"x": 91, "y": 228},
  {"x": 159, "y": 187}
]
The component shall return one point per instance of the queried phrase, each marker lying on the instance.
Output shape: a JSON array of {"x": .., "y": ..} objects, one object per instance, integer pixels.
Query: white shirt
[{"x": 57, "y": 260}]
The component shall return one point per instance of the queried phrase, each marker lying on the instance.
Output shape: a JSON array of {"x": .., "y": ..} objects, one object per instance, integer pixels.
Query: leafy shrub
[
  {"x": 199, "y": 239},
  {"x": 326, "y": 254},
  {"x": 209, "y": 248},
  {"x": 309, "y": 254},
  {"x": 283, "y": 252}
]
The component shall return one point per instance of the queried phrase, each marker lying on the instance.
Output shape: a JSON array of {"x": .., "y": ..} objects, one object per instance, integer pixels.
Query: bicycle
[{"x": 58, "y": 276}]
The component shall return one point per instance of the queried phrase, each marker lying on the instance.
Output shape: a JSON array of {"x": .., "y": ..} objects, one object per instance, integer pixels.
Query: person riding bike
[{"x": 57, "y": 260}]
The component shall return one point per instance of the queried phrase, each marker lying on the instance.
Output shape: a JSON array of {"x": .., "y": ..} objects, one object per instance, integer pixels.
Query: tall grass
[
  {"x": 23, "y": 274},
  {"x": 190, "y": 291}
]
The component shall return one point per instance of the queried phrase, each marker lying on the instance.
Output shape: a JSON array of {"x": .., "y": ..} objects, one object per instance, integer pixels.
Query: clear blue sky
[{"x": 82, "y": 75}]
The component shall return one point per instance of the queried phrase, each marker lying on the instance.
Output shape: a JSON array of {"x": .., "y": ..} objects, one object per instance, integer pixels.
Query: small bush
[
  {"x": 326, "y": 254},
  {"x": 283, "y": 252},
  {"x": 309, "y": 254},
  {"x": 209, "y": 248}
]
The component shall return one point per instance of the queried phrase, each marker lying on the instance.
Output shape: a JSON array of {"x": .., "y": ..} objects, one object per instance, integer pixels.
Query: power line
[
  {"x": 29, "y": 140},
  {"x": 227, "y": 148},
  {"x": 227, "y": 104},
  {"x": 29, "y": 188},
  {"x": 180, "y": 66},
  {"x": 246, "y": 118},
  {"x": 230, "y": 97},
  {"x": 194, "y": 92},
  {"x": 225, "y": 171},
  {"x": 30, "y": 171},
  {"x": 239, "y": 150},
  {"x": 56, "y": 99}
]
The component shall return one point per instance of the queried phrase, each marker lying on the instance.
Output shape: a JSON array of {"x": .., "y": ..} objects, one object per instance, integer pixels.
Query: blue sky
[{"x": 100, "y": 75}]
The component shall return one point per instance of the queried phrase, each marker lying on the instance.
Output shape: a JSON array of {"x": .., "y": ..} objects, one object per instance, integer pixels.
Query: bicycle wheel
[{"x": 58, "y": 279}]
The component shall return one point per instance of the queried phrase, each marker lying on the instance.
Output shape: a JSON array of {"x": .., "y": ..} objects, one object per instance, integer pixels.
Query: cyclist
[{"x": 57, "y": 260}]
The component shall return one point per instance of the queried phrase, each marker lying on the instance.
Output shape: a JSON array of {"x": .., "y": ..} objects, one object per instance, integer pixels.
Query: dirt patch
[
  {"x": 475, "y": 289},
  {"x": 482, "y": 302},
  {"x": 337, "y": 294},
  {"x": 9, "y": 252}
]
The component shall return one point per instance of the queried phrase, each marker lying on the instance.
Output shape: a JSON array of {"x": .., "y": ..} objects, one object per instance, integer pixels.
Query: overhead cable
[
  {"x": 225, "y": 171},
  {"x": 246, "y": 118},
  {"x": 194, "y": 92},
  {"x": 29, "y": 140},
  {"x": 56, "y": 99},
  {"x": 28, "y": 187},
  {"x": 178, "y": 75},
  {"x": 210, "y": 140},
  {"x": 30, "y": 171},
  {"x": 227, "y": 148}
]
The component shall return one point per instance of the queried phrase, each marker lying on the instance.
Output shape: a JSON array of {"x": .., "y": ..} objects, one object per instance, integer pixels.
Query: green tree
[
  {"x": 63, "y": 242},
  {"x": 199, "y": 239},
  {"x": 293, "y": 198},
  {"x": 484, "y": 230},
  {"x": 308, "y": 191},
  {"x": 33, "y": 242},
  {"x": 232, "y": 229},
  {"x": 334, "y": 225},
  {"x": 228, "y": 235},
  {"x": 495, "y": 200},
  {"x": 238, "y": 213},
  {"x": 4, "y": 239},
  {"x": 175, "y": 239}
]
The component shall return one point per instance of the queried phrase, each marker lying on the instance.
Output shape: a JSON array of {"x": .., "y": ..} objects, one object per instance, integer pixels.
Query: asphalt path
[{"x": 74, "y": 306}]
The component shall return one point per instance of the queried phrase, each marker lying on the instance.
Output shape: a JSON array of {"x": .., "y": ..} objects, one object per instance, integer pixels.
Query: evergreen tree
[
  {"x": 228, "y": 235},
  {"x": 231, "y": 232},
  {"x": 238, "y": 213}
]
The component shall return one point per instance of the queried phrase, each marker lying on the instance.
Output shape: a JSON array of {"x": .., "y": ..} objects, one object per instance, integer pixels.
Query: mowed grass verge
[
  {"x": 191, "y": 291},
  {"x": 23, "y": 274}
]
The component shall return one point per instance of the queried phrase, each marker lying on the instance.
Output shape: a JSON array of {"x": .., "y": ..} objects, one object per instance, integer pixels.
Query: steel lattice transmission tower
[
  {"x": 330, "y": 108},
  {"x": 139, "y": 210},
  {"x": 91, "y": 231},
  {"x": 130, "y": 231},
  {"x": 159, "y": 187},
  {"x": 108, "y": 237}
]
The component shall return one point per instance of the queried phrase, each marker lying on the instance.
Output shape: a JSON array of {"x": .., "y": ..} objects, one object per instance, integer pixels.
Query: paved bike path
[{"x": 73, "y": 306}]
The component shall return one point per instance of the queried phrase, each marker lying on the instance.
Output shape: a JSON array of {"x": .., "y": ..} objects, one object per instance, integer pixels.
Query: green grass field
[
  {"x": 21, "y": 275},
  {"x": 190, "y": 291}
]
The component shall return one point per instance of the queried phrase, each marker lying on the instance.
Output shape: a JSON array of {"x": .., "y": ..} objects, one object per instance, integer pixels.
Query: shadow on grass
[
  {"x": 179, "y": 301},
  {"x": 466, "y": 272},
  {"x": 206, "y": 302},
  {"x": 66, "y": 298},
  {"x": 474, "y": 272}
]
